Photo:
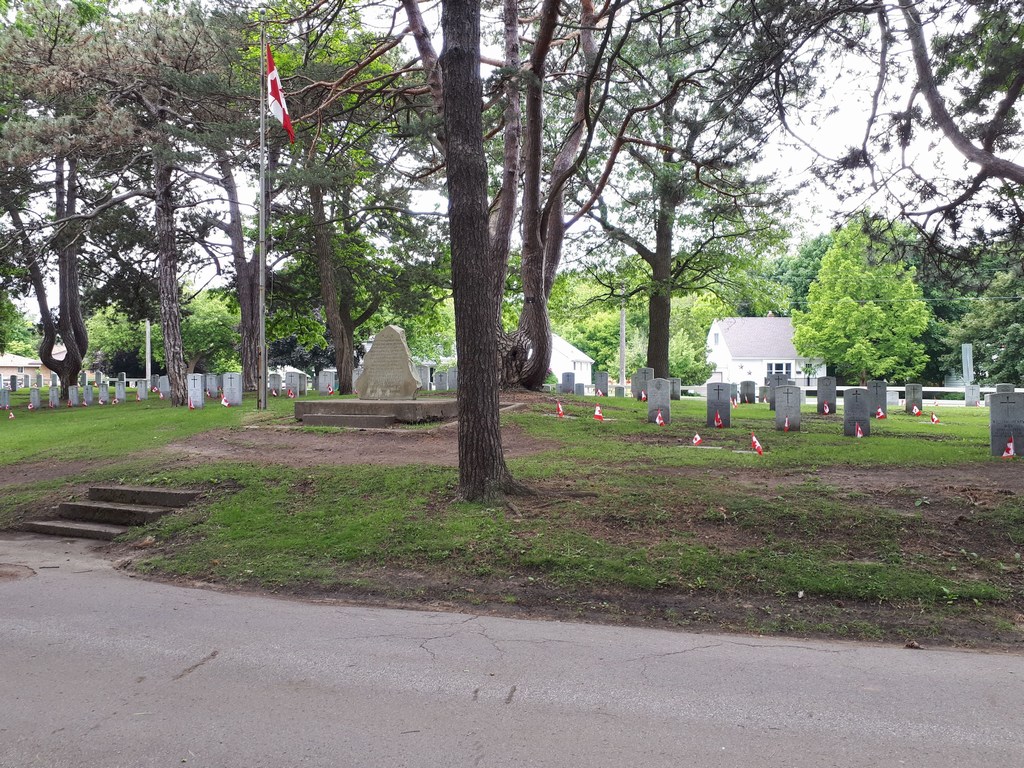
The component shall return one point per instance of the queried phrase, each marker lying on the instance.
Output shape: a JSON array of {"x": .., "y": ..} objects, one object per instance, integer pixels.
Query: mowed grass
[{"x": 629, "y": 521}]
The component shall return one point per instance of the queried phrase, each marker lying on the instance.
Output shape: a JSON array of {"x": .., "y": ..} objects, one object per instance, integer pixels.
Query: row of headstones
[
  {"x": 639, "y": 386},
  {"x": 443, "y": 381}
]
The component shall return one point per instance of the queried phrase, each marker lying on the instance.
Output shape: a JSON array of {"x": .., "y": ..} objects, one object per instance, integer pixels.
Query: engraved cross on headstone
[{"x": 720, "y": 391}]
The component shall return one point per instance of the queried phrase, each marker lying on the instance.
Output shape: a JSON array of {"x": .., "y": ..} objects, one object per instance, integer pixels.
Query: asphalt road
[{"x": 102, "y": 670}]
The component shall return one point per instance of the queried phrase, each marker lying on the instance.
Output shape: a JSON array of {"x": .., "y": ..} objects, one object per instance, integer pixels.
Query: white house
[
  {"x": 751, "y": 348},
  {"x": 565, "y": 358}
]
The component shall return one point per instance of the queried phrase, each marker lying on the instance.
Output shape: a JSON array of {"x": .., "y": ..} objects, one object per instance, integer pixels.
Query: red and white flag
[
  {"x": 138, "y": 398},
  {"x": 935, "y": 419},
  {"x": 103, "y": 402},
  {"x": 31, "y": 407},
  {"x": 1008, "y": 451},
  {"x": 225, "y": 402},
  {"x": 161, "y": 395},
  {"x": 599, "y": 393},
  {"x": 191, "y": 405},
  {"x": 209, "y": 394},
  {"x": 880, "y": 414},
  {"x": 825, "y": 409},
  {"x": 114, "y": 401},
  {"x": 756, "y": 444},
  {"x": 785, "y": 427},
  {"x": 718, "y": 420},
  {"x": 330, "y": 390},
  {"x": 733, "y": 401},
  {"x": 558, "y": 409},
  {"x": 659, "y": 419},
  {"x": 275, "y": 97},
  {"x": 857, "y": 431},
  {"x": 273, "y": 392},
  {"x": 643, "y": 395},
  {"x": 291, "y": 394},
  {"x": 697, "y": 439},
  {"x": 597, "y": 413},
  {"x": 978, "y": 403},
  {"x": 10, "y": 414},
  {"x": 916, "y": 411}
]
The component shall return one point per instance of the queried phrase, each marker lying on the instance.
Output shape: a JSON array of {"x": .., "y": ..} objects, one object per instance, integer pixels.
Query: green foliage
[
  {"x": 17, "y": 336},
  {"x": 863, "y": 319},
  {"x": 995, "y": 326},
  {"x": 796, "y": 271}
]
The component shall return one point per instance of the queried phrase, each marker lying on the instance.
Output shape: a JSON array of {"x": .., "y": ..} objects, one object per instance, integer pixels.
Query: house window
[
  {"x": 785, "y": 368},
  {"x": 21, "y": 369},
  {"x": 716, "y": 339}
]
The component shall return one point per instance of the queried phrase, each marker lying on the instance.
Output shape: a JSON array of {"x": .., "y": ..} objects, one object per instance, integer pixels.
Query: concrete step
[
  {"x": 111, "y": 512},
  {"x": 355, "y": 421},
  {"x": 73, "y": 529},
  {"x": 137, "y": 494}
]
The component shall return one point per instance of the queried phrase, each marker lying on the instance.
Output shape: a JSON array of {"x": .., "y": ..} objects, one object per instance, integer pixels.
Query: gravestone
[
  {"x": 568, "y": 383},
  {"x": 827, "y": 394},
  {"x": 423, "y": 371},
  {"x": 734, "y": 392},
  {"x": 164, "y": 386},
  {"x": 972, "y": 394},
  {"x": 441, "y": 381},
  {"x": 122, "y": 377},
  {"x": 211, "y": 383},
  {"x": 325, "y": 382},
  {"x": 154, "y": 382},
  {"x": 98, "y": 378},
  {"x": 54, "y": 400},
  {"x": 291, "y": 382},
  {"x": 54, "y": 380},
  {"x": 453, "y": 378},
  {"x": 141, "y": 391},
  {"x": 1006, "y": 420},
  {"x": 88, "y": 394},
  {"x": 388, "y": 373},
  {"x": 83, "y": 379},
  {"x": 73, "y": 398},
  {"x": 5, "y": 398},
  {"x": 104, "y": 393},
  {"x": 1002, "y": 389},
  {"x": 774, "y": 381},
  {"x": 120, "y": 391},
  {"x": 581, "y": 390},
  {"x": 856, "y": 411},
  {"x": 677, "y": 388},
  {"x": 878, "y": 396},
  {"x": 915, "y": 398},
  {"x": 788, "y": 399},
  {"x": 39, "y": 381},
  {"x": 719, "y": 404},
  {"x": 748, "y": 391},
  {"x": 232, "y": 385},
  {"x": 13, "y": 383},
  {"x": 33, "y": 398},
  {"x": 601, "y": 382},
  {"x": 641, "y": 382},
  {"x": 659, "y": 398},
  {"x": 303, "y": 384},
  {"x": 620, "y": 390},
  {"x": 197, "y": 390},
  {"x": 762, "y": 393},
  {"x": 275, "y": 382}
]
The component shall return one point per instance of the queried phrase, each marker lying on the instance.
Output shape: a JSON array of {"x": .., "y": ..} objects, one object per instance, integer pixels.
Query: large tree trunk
[
  {"x": 659, "y": 305},
  {"x": 477, "y": 282},
  {"x": 70, "y": 325},
  {"x": 167, "y": 280},
  {"x": 338, "y": 321}
]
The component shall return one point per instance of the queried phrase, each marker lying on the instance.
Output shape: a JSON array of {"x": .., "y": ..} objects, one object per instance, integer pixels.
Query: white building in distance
[{"x": 752, "y": 348}]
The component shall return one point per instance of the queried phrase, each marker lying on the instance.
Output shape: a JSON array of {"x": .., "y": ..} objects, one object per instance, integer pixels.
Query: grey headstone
[
  {"x": 423, "y": 371},
  {"x": 98, "y": 378},
  {"x": 581, "y": 389},
  {"x": 73, "y": 398},
  {"x": 211, "y": 384},
  {"x": 54, "y": 380},
  {"x": 659, "y": 398},
  {"x": 39, "y": 381},
  {"x": 122, "y": 377},
  {"x": 915, "y": 397},
  {"x": 677, "y": 388},
  {"x": 88, "y": 394},
  {"x": 788, "y": 400},
  {"x": 33, "y": 398},
  {"x": 546, "y": 388},
  {"x": 774, "y": 381},
  {"x": 568, "y": 384},
  {"x": 141, "y": 391},
  {"x": 54, "y": 401},
  {"x": 120, "y": 391},
  {"x": 303, "y": 384},
  {"x": 856, "y": 411},
  {"x": 441, "y": 381},
  {"x": 762, "y": 393},
  {"x": 388, "y": 373},
  {"x": 105, "y": 393},
  {"x": 878, "y": 396},
  {"x": 1004, "y": 388},
  {"x": 325, "y": 382},
  {"x": 197, "y": 390},
  {"x": 291, "y": 383},
  {"x": 13, "y": 383},
  {"x": 154, "y": 382},
  {"x": 83, "y": 378},
  {"x": 453, "y": 378},
  {"x": 601, "y": 382},
  {"x": 5, "y": 398},
  {"x": 827, "y": 394},
  {"x": 275, "y": 382},
  {"x": 1006, "y": 420},
  {"x": 748, "y": 392},
  {"x": 972, "y": 395},
  {"x": 232, "y": 385},
  {"x": 719, "y": 403},
  {"x": 164, "y": 386},
  {"x": 620, "y": 390},
  {"x": 641, "y": 382}
]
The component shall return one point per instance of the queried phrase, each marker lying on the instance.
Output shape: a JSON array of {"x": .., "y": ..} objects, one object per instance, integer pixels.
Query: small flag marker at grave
[
  {"x": 935, "y": 419},
  {"x": 697, "y": 439},
  {"x": 208, "y": 393},
  {"x": 103, "y": 402},
  {"x": 10, "y": 415},
  {"x": 1008, "y": 452},
  {"x": 917, "y": 411},
  {"x": 643, "y": 395},
  {"x": 85, "y": 404},
  {"x": 138, "y": 398},
  {"x": 597, "y": 413},
  {"x": 858, "y": 432},
  {"x": 718, "y": 420},
  {"x": 291, "y": 394},
  {"x": 558, "y": 409},
  {"x": 978, "y": 403},
  {"x": 785, "y": 427},
  {"x": 224, "y": 401},
  {"x": 825, "y": 408},
  {"x": 733, "y": 401},
  {"x": 330, "y": 390},
  {"x": 599, "y": 393},
  {"x": 273, "y": 392},
  {"x": 114, "y": 401},
  {"x": 191, "y": 405},
  {"x": 659, "y": 419},
  {"x": 756, "y": 444},
  {"x": 161, "y": 395},
  {"x": 31, "y": 407},
  {"x": 880, "y": 414}
]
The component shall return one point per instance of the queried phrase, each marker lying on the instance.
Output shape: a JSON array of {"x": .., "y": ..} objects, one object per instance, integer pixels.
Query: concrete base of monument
[{"x": 380, "y": 414}]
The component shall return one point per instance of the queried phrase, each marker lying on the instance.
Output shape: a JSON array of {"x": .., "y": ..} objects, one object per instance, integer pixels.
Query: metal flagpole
[{"x": 261, "y": 396}]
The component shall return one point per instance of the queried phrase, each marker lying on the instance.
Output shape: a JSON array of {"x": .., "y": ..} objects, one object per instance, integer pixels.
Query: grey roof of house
[{"x": 760, "y": 338}]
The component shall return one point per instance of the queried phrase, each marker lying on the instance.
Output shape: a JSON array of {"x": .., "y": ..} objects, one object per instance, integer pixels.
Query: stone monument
[{"x": 388, "y": 372}]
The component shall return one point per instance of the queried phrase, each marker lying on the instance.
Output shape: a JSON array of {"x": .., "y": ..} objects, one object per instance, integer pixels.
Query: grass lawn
[{"x": 915, "y": 533}]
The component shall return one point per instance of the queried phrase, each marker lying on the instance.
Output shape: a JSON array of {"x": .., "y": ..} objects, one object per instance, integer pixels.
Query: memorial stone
[
  {"x": 211, "y": 383},
  {"x": 54, "y": 400},
  {"x": 1006, "y": 420},
  {"x": 154, "y": 382},
  {"x": 232, "y": 385},
  {"x": 601, "y": 382},
  {"x": 972, "y": 395},
  {"x": 620, "y": 390},
  {"x": 83, "y": 379},
  {"x": 827, "y": 394},
  {"x": 915, "y": 398},
  {"x": 453, "y": 378},
  {"x": 275, "y": 382},
  {"x": 388, "y": 371},
  {"x": 33, "y": 398},
  {"x": 659, "y": 398},
  {"x": 719, "y": 405},
  {"x": 1004, "y": 388},
  {"x": 857, "y": 411},
  {"x": 54, "y": 380},
  {"x": 303, "y": 384},
  {"x": 734, "y": 392},
  {"x": 568, "y": 383},
  {"x": 677, "y": 388},
  {"x": 762, "y": 393},
  {"x": 291, "y": 383},
  {"x": 5, "y": 398},
  {"x": 325, "y": 382},
  {"x": 748, "y": 391},
  {"x": 13, "y": 383},
  {"x": 424, "y": 375},
  {"x": 164, "y": 386},
  {"x": 120, "y": 393},
  {"x": 123, "y": 378},
  {"x": 88, "y": 394},
  {"x": 788, "y": 399},
  {"x": 104, "y": 393},
  {"x": 73, "y": 398},
  {"x": 141, "y": 391},
  {"x": 441, "y": 381},
  {"x": 642, "y": 382},
  {"x": 581, "y": 390},
  {"x": 878, "y": 396},
  {"x": 774, "y": 381},
  {"x": 197, "y": 390},
  {"x": 98, "y": 378},
  {"x": 39, "y": 381}
]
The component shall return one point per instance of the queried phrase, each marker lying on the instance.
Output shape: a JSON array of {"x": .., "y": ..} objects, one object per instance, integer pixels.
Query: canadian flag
[
  {"x": 161, "y": 395},
  {"x": 138, "y": 398},
  {"x": 114, "y": 401},
  {"x": 291, "y": 394},
  {"x": 1007, "y": 452},
  {"x": 935, "y": 419},
  {"x": 597, "y": 413},
  {"x": 85, "y": 404},
  {"x": 697, "y": 439},
  {"x": 209, "y": 394},
  {"x": 31, "y": 407},
  {"x": 857, "y": 431},
  {"x": 10, "y": 414},
  {"x": 558, "y": 410},
  {"x": 599, "y": 393},
  {"x": 916, "y": 411},
  {"x": 191, "y": 405},
  {"x": 643, "y": 395},
  {"x": 880, "y": 414},
  {"x": 825, "y": 409},
  {"x": 733, "y": 401},
  {"x": 330, "y": 390},
  {"x": 225, "y": 402},
  {"x": 659, "y": 419},
  {"x": 785, "y": 427},
  {"x": 275, "y": 96},
  {"x": 273, "y": 392},
  {"x": 103, "y": 402},
  {"x": 756, "y": 444},
  {"x": 718, "y": 420},
  {"x": 978, "y": 403}
]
